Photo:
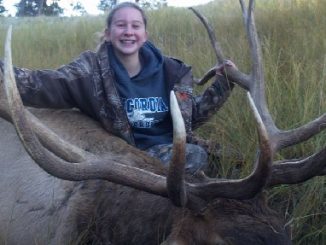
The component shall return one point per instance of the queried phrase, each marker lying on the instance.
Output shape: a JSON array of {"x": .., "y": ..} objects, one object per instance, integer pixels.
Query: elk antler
[
  {"x": 292, "y": 171},
  {"x": 175, "y": 178},
  {"x": 242, "y": 79},
  {"x": 84, "y": 165}
]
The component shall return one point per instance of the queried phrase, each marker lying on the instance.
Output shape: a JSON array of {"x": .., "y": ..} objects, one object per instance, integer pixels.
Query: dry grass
[{"x": 294, "y": 45}]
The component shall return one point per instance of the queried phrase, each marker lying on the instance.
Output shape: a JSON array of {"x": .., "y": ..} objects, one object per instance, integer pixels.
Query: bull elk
[{"x": 100, "y": 190}]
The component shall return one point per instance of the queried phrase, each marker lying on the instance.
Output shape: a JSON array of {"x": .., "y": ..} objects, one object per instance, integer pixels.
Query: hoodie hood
[{"x": 151, "y": 59}]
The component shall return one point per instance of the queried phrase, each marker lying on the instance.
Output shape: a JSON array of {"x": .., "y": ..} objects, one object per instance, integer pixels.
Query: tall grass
[{"x": 293, "y": 37}]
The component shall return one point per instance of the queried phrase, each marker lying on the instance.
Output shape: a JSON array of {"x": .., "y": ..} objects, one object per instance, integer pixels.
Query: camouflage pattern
[
  {"x": 88, "y": 83},
  {"x": 196, "y": 156}
]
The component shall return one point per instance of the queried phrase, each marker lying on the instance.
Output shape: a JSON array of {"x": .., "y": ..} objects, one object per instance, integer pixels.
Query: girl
[{"x": 125, "y": 85}]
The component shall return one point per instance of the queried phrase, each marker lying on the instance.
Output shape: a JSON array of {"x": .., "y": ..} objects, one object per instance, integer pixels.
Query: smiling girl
[{"x": 125, "y": 85}]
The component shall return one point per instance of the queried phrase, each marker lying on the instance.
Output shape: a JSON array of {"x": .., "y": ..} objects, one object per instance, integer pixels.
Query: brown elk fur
[{"x": 100, "y": 212}]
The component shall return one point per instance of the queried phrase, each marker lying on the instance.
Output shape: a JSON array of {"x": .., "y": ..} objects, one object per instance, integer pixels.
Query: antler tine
[
  {"x": 176, "y": 174},
  {"x": 257, "y": 73},
  {"x": 244, "y": 11},
  {"x": 216, "y": 46},
  {"x": 296, "y": 171},
  {"x": 257, "y": 85},
  {"x": 235, "y": 75},
  {"x": 4, "y": 110},
  {"x": 286, "y": 138},
  {"x": 109, "y": 169},
  {"x": 256, "y": 53},
  {"x": 247, "y": 187}
]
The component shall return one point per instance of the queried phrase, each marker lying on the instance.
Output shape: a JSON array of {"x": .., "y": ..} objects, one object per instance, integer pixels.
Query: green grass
[{"x": 293, "y": 40}]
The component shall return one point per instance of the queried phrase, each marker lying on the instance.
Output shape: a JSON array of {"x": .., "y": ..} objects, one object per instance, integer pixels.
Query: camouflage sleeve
[
  {"x": 205, "y": 105},
  {"x": 50, "y": 88}
]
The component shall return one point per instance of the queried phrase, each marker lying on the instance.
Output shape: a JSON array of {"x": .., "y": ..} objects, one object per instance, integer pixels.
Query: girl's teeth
[{"x": 127, "y": 41}]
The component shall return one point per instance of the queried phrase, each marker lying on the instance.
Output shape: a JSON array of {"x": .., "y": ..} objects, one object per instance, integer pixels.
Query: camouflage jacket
[{"x": 88, "y": 83}]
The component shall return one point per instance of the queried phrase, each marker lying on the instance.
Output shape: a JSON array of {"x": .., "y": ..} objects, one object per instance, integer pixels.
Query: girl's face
[{"x": 127, "y": 32}]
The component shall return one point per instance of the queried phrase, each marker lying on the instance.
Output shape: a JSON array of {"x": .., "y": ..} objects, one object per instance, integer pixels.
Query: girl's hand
[{"x": 220, "y": 69}]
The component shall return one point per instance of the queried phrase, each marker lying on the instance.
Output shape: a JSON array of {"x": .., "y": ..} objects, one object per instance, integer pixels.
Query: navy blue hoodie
[{"x": 145, "y": 97}]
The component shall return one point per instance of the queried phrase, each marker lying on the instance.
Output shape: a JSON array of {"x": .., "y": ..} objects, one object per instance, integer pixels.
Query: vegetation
[
  {"x": 53, "y": 8},
  {"x": 38, "y": 7},
  {"x": 2, "y": 9},
  {"x": 293, "y": 42}
]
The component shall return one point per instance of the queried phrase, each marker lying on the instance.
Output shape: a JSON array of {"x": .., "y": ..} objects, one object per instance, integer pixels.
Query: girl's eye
[{"x": 120, "y": 24}]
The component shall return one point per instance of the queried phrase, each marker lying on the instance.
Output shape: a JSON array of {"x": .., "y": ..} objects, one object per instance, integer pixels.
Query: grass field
[{"x": 293, "y": 40}]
